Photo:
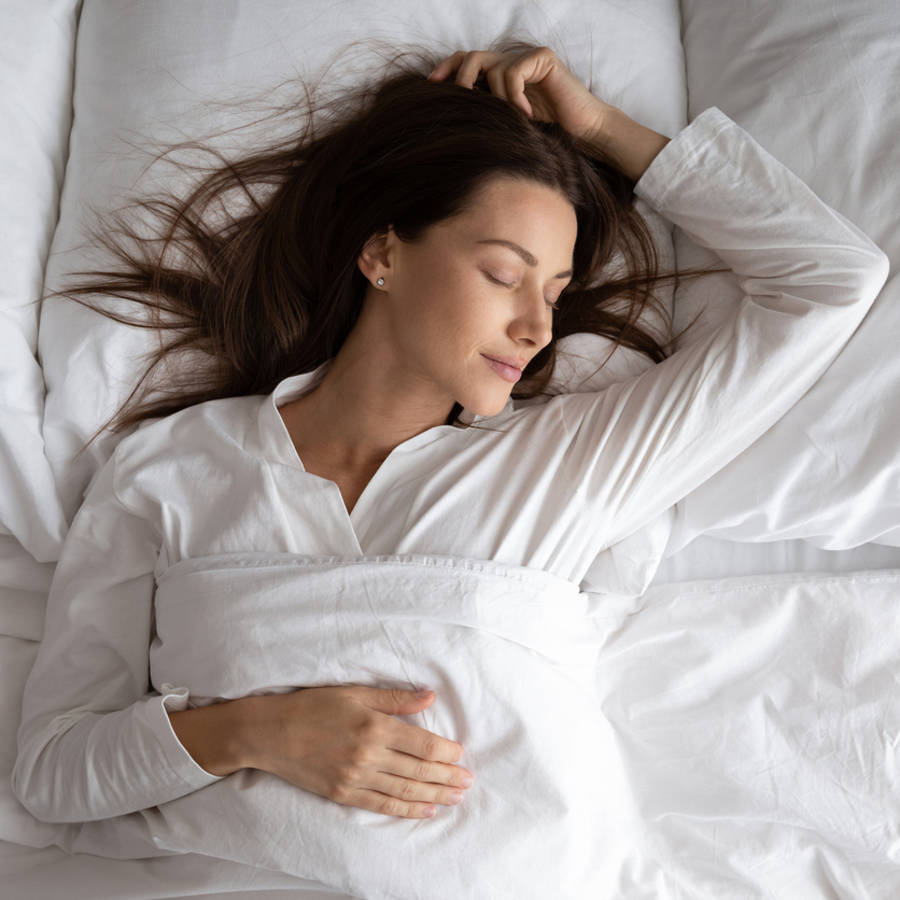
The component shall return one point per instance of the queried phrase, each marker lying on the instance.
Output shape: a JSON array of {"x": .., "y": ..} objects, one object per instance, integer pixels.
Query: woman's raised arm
[{"x": 809, "y": 277}]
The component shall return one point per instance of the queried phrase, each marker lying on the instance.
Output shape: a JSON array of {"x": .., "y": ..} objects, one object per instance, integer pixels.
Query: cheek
[
  {"x": 447, "y": 304},
  {"x": 458, "y": 305},
  {"x": 430, "y": 320}
]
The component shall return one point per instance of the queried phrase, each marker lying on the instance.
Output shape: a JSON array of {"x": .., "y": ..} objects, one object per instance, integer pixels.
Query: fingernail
[
  {"x": 467, "y": 780},
  {"x": 455, "y": 797},
  {"x": 421, "y": 695}
]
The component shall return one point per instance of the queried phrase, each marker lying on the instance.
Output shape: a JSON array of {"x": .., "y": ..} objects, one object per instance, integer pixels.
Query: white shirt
[{"x": 551, "y": 488}]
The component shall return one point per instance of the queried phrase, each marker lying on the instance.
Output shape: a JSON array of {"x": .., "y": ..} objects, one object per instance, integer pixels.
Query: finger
[
  {"x": 472, "y": 64},
  {"x": 468, "y": 71},
  {"x": 446, "y": 66},
  {"x": 515, "y": 86},
  {"x": 421, "y": 770},
  {"x": 393, "y": 701},
  {"x": 422, "y": 744},
  {"x": 497, "y": 82},
  {"x": 388, "y": 806},
  {"x": 415, "y": 791}
]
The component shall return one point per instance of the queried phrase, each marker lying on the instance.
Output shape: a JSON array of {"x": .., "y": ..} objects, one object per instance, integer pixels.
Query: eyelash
[{"x": 504, "y": 284}]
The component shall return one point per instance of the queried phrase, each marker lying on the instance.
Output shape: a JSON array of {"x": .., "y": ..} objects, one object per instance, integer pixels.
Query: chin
[{"x": 489, "y": 408}]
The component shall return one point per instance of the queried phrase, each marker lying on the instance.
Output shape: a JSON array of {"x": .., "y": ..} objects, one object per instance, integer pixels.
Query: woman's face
[{"x": 457, "y": 297}]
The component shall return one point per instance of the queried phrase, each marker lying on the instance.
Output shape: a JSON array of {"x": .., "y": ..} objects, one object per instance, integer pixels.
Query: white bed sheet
[{"x": 30, "y": 873}]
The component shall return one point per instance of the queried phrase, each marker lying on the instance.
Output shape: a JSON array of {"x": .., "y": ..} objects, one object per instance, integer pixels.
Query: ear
[{"x": 374, "y": 259}]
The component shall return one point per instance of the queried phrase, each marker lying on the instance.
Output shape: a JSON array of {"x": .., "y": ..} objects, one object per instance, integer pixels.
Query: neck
[{"x": 353, "y": 420}]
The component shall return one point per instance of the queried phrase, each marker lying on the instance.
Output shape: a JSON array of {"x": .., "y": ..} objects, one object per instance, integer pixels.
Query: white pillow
[
  {"x": 37, "y": 53},
  {"x": 816, "y": 85},
  {"x": 147, "y": 69}
]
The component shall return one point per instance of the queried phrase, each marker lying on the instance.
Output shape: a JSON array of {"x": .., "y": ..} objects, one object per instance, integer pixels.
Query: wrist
[
  {"x": 215, "y": 736},
  {"x": 627, "y": 144},
  {"x": 249, "y": 731},
  {"x": 260, "y": 724}
]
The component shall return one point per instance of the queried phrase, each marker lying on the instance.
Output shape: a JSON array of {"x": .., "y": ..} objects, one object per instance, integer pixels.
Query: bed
[{"x": 757, "y": 659}]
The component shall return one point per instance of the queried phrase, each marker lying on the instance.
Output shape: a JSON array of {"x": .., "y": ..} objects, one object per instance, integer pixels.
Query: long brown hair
[{"x": 274, "y": 290}]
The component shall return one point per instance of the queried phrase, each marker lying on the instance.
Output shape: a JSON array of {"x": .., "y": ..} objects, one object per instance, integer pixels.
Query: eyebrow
[{"x": 522, "y": 252}]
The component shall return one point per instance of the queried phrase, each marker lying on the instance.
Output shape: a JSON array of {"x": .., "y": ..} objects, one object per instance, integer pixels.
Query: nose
[{"x": 534, "y": 321}]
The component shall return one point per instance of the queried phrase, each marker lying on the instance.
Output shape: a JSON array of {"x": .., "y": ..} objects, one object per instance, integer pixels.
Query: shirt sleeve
[
  {"x": 94, "y": 741},
  {"x": 809, "y": 277}
]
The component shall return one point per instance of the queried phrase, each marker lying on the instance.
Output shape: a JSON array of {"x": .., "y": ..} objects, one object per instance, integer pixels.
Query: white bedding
[
  {"x": 796, "y": 673},
  {"x": 510, "y": 654},
  {"x": 817, "y": 83},
  {"x": 751, "y": 731},
  {"x": 718, "y": 734}
]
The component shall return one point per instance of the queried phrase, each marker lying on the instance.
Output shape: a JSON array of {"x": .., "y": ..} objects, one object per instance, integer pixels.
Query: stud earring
[{"x": 380, "y": 282}]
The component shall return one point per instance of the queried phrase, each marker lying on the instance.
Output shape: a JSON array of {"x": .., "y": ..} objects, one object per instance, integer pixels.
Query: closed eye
[{"x": 490, "y": 277}]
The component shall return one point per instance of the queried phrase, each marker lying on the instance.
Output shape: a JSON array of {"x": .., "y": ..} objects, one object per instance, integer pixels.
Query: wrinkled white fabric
[
  {"x": 510, "y": 653},
  {"x": 549, "y": 488},
  {"x": 748, "y": 721}
]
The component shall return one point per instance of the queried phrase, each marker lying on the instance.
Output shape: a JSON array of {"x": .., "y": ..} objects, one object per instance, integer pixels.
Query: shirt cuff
[
  {"x": 682, "y": 154},
  {"x": 180, "y": 761}
]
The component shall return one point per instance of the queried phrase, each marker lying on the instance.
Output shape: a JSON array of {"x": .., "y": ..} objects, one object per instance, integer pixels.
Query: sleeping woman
[{"x": 328, "y": 588}]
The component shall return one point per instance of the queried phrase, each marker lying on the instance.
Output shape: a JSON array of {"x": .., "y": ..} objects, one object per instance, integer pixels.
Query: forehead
[
  {"x": 531, "y": 214},
  {"x": 504, "y": 195}
]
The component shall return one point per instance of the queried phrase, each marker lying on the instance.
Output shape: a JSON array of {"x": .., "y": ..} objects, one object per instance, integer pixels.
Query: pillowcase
[
  {"x": 37, "y": 54},
  {"x": 818, "y": 91}
]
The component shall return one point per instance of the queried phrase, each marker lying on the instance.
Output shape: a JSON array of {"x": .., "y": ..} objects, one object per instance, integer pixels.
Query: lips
[
  {"x": 510, "y": 361},
  {"x": 506, "y": 372}
]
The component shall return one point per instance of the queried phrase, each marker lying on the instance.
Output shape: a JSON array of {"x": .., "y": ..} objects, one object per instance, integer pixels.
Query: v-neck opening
[
  {"x": 363, "y": 495},
  {"x": 352, "y": 517}
]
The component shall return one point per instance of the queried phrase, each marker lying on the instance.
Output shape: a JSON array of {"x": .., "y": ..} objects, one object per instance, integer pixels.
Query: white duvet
[
  {"x": 510, "y": 653},
  {"x": 710, "y": 739}
]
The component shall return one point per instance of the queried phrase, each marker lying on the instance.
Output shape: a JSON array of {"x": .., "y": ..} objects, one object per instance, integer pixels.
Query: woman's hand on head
[
  {"x": 343, "y": 743},
  {"x": 533, "y": 80}
]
